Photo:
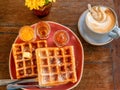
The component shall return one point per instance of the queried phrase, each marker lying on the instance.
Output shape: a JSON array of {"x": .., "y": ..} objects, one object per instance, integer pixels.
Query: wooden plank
[
  {"x": 3, "y": 88},
  {"x": 9, "y": 30},
  {"x": 117, "y": 8},
  {"x": 6, "y": 42},
  {"x": 116, "y": 63},
  {"x": 96, "y": 77},
  {"x": 63, "y": 11},
  {"x": 97, "y": 53},
  {"x": 101, "y": 63},
  {"x": 116, "y": 51},
  {"x": 4, "y": 71},
  {"x": 7, "y": 37}
]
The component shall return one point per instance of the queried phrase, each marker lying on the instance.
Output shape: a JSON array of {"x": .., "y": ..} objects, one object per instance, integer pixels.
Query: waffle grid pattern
[
  {"x": 25, "y": 58},
  {"x": 56, "y": 65}
]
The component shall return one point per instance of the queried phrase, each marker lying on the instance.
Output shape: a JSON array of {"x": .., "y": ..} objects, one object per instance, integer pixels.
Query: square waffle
[
  {"x": 25, "y": 58},
  {"x": 56, "y": 66}
]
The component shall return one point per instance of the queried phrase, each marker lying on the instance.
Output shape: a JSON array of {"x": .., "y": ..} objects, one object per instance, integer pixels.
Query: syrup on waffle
[
  {"x": 55, "y": 65},
  {"x": 25, "y": 58}
]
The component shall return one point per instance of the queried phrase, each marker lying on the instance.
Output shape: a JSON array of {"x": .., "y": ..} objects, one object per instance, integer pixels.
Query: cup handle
[{"x": 115, "y": 33}]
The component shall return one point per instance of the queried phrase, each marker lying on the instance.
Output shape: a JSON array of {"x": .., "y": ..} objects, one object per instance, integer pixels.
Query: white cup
[{"x": 113, "y": 32}]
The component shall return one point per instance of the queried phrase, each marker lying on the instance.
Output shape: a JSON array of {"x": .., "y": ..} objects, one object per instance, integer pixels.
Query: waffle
[
  {"x": 55, "y": 65},
  {"x": 25, "y": 58}
]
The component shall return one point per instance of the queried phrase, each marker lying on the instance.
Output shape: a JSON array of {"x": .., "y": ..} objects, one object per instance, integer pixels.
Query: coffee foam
[{"x": 101, "y": 19}]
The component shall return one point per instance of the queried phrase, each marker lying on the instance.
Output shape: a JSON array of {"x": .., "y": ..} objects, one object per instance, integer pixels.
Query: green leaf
[{"x": 47, "y": 1}]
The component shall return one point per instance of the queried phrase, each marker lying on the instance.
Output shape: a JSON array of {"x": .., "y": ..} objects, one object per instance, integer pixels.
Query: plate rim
[{"x": 82, "y": 52}]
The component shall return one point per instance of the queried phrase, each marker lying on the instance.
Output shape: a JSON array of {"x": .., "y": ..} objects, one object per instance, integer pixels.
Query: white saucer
[{"x": 88, "y": 37}]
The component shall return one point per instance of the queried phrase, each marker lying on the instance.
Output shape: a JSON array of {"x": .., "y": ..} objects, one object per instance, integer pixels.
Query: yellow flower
[
  {"x": 52, "y": 0},
  {"x": 41, "y": 3},
  {"x": 35, "y": 4}
]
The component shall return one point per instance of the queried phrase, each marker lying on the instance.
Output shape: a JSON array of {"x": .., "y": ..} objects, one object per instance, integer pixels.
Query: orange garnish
[{"x": 26, "y": 33}]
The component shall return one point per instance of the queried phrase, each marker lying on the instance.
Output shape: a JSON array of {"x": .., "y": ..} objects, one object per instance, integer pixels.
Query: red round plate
[{"x": 78, "y": 51}]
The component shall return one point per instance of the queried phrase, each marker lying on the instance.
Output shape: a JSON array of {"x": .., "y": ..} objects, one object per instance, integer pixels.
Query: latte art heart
[
  {"x": 98, "y": 14},
  {"x": 100, "y": 19}
]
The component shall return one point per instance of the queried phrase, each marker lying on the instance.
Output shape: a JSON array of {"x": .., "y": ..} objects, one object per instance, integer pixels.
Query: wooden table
[{"x": 102, "y": 64}]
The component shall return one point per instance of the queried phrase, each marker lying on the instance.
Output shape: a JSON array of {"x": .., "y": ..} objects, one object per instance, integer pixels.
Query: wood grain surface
[
  {"x": 102, "y": 63},
  {"x": 116, "y": 51}
]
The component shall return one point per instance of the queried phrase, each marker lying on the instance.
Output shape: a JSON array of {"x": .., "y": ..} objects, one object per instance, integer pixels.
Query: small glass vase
[{"x": 43, "y": 11}]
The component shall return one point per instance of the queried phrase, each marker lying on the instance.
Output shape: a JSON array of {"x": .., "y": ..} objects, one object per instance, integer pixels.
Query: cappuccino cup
[{"x": 101, "y": 21}]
